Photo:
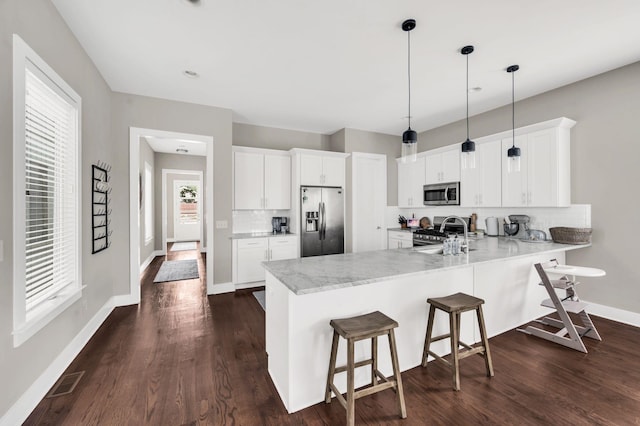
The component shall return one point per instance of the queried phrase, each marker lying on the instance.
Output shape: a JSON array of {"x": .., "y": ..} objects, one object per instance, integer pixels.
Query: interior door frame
[
  {"x": 166, "y": 172},
  {"x": 355, "y": 156},
  {"x": 135, "y": 133}
]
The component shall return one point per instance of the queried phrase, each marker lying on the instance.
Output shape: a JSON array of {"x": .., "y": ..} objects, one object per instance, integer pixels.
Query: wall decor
[{"x": 100, "y": 211}]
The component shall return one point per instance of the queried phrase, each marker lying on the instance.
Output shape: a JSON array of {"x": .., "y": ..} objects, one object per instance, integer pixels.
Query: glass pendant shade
[
  {"x": 468, "y": 160},
  {"x": 409, "y": 146},
  {"x": 513, "y": 163}
]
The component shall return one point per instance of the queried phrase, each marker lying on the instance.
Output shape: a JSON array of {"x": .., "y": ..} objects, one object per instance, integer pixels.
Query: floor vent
[{"x": 66, "y": 384}]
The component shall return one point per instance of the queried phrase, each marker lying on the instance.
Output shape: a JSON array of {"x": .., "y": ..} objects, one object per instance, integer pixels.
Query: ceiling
[
  {"x": 320, "y": 66},
  {"x": 176, "y": 146}
]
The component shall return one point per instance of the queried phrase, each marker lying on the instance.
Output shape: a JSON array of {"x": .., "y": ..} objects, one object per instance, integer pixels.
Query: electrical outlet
[{"x": 221, "y": 224}]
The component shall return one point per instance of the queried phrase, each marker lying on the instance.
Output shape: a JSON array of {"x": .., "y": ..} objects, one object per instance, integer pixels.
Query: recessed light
[
  {"x": 191, "y": 73},
  {"x": 182, "y": 150},
  {"x": 474, "y": 89}
]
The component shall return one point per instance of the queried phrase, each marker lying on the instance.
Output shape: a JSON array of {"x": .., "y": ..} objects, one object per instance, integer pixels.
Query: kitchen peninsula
[{"x": 303, "y": 295}]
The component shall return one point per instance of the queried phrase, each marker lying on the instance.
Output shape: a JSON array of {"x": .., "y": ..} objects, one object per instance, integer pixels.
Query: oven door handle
[{"x": 446, "y": 192}]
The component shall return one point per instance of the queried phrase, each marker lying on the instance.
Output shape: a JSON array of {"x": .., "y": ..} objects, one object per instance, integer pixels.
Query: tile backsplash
[
  {"x": 543, "y": 218},
  {"x": 248, "y": 221}
]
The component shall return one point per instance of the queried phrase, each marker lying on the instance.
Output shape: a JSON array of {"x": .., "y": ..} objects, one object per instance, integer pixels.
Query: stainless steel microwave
[{"x": 442, "y": 194}]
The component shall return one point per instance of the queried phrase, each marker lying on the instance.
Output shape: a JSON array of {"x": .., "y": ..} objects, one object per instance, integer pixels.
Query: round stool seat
[{"x": 458, "y": 302}]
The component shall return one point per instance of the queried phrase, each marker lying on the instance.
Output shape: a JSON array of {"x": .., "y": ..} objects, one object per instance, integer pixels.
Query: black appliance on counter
[
  {"x": 280, "y": 224},
  {"x": 431, "y": 236}
]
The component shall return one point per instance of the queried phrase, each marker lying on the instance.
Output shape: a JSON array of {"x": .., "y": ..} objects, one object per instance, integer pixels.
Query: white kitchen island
[{"x": 303, "y": 295}]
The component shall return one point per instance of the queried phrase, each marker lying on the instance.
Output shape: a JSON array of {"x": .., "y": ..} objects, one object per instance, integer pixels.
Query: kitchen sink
[{"x": 433, "y": 249}]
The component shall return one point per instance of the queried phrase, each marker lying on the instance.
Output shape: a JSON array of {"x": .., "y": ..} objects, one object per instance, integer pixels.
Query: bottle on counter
[
  {"x": 446, "y": 246},
  {"x": 455, "y": 246}
]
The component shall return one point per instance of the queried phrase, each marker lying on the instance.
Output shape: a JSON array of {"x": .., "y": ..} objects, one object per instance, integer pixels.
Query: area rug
[
  {"x": 176, "y": 270},
  {"x": 260, "y": 297},
  {"x": 188, "y": 245}
]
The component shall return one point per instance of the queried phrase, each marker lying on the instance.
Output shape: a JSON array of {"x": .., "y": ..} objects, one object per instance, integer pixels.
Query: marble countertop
[
  {"x": 322, "y": 273},
  {"x": 240, "y": 236}
]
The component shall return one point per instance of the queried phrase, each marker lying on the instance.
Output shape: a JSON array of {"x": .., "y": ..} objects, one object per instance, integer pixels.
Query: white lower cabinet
[
  {"x": 399, "y": 239},
  {"x": 249, "y": 253}
]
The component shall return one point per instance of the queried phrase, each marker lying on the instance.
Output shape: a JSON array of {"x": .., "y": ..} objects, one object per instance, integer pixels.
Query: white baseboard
[
  {"x": 124, "y": 300},
  {"x": 23, "y": 407},
  {"x": 171, "y": 240},
  {"x": 615, "y": 314},
  {"x": 203, "y": 249},
  {"x": 223, "y": 288},
  {"x": 149, "y": 259}
]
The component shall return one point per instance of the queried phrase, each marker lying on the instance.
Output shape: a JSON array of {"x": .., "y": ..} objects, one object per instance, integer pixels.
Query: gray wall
[
  {"x": 273, "y": 138},
  {"x": 604, "y": 171},
  {"x": 159, "y": 114},
  {"x": 146, "y": 156},
  {"x": 38, "y": 23},
  {"x": 178, "y": 162}
]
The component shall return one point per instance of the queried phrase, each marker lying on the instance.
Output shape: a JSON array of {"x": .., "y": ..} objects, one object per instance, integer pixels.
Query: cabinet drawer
[
  {"x": 401, "y": 235},
  {"x": 282, "y": 241},
  {"x": 253, "y": 243}
]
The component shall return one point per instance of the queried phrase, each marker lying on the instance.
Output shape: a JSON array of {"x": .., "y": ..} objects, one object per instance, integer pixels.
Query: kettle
[{"x": 492, "y": 226}]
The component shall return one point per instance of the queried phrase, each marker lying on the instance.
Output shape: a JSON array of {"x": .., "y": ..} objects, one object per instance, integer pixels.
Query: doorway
[
  {"x": 186, "y": 210},
  {"x": 206, "y": 214}
]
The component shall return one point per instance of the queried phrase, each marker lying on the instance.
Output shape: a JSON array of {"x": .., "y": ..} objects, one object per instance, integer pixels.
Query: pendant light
[
  {"x": 409, "y": 137},
  {"x": 513, "y": 165},
  {"x": 468, "y": 146}
]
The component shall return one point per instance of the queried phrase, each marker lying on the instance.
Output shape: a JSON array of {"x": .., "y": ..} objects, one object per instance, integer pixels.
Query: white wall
[{"x": 38, "y": 23}]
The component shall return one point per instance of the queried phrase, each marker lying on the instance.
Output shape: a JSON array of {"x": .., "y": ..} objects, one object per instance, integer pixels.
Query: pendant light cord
[
  {"x": 467, "y": 96},
  {"x": 513, "y": 109},
  {"x": 409, "y": 71}
]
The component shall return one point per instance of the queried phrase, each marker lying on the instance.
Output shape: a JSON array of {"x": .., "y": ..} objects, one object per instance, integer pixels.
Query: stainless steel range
[
  {"x": 431, "y": 236},
  {"x": 425, "y": 237}
]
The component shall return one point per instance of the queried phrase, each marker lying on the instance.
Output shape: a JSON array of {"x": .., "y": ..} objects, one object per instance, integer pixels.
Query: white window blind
[{"x": 51, "y": 202}]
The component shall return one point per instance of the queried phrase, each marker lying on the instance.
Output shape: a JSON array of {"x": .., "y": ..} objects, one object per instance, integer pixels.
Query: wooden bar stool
[
  {"x": 368, "y": 326},
  {"x": 455, "y": 305}
]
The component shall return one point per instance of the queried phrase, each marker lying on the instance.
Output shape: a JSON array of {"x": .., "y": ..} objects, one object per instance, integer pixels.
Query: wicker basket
[{"x": 570, "y": 235}]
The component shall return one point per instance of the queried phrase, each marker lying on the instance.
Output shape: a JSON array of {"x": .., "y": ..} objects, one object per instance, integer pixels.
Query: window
[
  {"x": 47, "y": 234},
  {"x": 188, "y": 213},
  {"x": 148, "y": 203}
]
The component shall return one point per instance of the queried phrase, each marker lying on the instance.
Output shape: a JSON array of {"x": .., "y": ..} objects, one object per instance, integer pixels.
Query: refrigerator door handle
[{"x": 323, "y": 221}]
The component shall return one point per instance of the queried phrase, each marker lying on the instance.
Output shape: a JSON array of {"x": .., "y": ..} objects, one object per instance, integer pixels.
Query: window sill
[{"x": 44, "y": 314}]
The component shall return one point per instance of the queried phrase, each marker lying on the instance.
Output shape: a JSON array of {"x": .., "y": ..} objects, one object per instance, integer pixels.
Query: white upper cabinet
[
  {"x": 248, "y": 180},
  {"x": 319, "y": 170},
  {"x": 277, "y": 182},
  {"x": 443, "y": 166},
  {"x": 481, "y": 186},
  {"x": 544, "y": 179},
  {"x": 411, "y": 179},
  {"x": 261, "y": 179}
]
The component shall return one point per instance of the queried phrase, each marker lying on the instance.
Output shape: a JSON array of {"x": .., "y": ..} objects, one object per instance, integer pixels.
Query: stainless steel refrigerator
[{"x": 322, "y": 220}]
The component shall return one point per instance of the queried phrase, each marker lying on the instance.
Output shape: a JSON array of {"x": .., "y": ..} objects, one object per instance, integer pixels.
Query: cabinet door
[
  {"x": 393, "y": 243},
  {"x": 277, "y": 182},
  {"x": 333, "y": 169},
  {"x": 248, "y": 181},
  {"x": 311, "y": 170},
  {"x": 404, "y": 185},
  {"x": 406, "y": 243},
  {"x": 470, "y": 183},
  {"x": 542, "y": 169},
  {"x": 251, "y": 253},
  {"x": 433, "y": 172},
  {"x": 514, "y": 183},
  {"x": 489, "y": 165},
  {"x": 281, "y": 248},
  {"x": 410, "y": 183},
  {"x": 450, "y": 165}
]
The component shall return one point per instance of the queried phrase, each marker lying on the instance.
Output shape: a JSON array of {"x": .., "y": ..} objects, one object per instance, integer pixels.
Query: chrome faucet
[{"x": 465, "y": 243}]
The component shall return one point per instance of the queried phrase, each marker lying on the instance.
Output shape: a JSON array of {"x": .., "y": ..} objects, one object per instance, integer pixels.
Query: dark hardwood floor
[{"x": 181, "y": 358}]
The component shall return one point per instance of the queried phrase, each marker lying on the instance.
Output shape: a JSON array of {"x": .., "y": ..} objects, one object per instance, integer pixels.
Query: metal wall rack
[{"x": 100, "y": 211}]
